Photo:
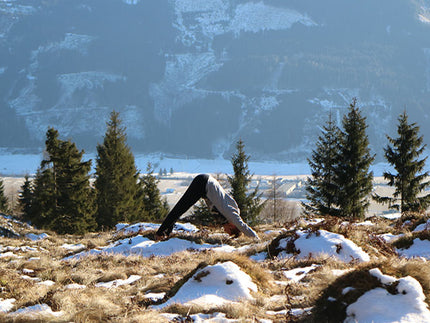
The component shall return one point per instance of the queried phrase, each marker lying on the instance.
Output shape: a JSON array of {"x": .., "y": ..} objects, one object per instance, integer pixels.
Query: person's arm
[{"x": 227, "y": 206}]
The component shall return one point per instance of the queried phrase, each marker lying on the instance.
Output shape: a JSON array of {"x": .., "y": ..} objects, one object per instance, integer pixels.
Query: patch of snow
[
  {"x": 378, "y": 305},
  {"x": 132, "y": 2},
  {"x": 73, "y": 247},
  {"x": 297, "y": 274},
  {"x": 268, "y": 103},
  {"x": 389, "y": 237},
  {"x": 6, "y": 304},
  {"x": 75, "y": 286},
  {"x": 293, "y": 311},
  {"x": 90, "y": 80},
  {"x": 9, "y": 254},
  {"x": 346, "y": 290},
  {"x": 178, "y": 87},
  {"x": 419, "y": 248},
  {"x": 36, "y": 237},
  {"x": 391, "y": 216},
  {"x": 145, "y": 247},
  {"x": 340, "y": 272},
  {"x": 125, "y": 228},
  {"x": 300, "y": 311},
  {"x": 119, "y": 282},
  {"x": 36, "y": 311},
  {"x": 261, "y": 256},
  {"x": 211, "y": 318},
  {"x": 155, "y": 296},
  {"x": 384, "y": 279},
  {"x": 325, "y": 242},
  {"x": 365, "y": 223},
  {"x": 187, "y": 227},
  {"x": 215, "y": 285},
  {"x": 423, "y": 226},
  {"x": 18, "y": 10},
  {"x": 314, "y": 221},
  {"x": 46, "y": 283},
  {"x": 257, "y": 16},
  {"x": 26, "y": 277},
  {"x": 70, "y": 42}
]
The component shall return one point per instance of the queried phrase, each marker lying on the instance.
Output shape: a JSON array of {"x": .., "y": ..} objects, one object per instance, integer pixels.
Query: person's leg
[{"x": 194, "y": 192}]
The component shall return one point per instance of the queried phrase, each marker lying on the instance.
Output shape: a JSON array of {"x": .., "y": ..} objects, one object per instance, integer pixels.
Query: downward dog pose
[{"x": 207, "y": 187}]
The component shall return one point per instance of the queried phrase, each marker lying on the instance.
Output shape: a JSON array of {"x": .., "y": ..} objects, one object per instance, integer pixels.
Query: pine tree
[
  {"x": 63, "y": 198},
  {"x": 117, "y": 178},
  {"x": 26, "y": 198},
  {"x": 408, "y": 179},
  {"x": 43, "y": 207},
  {"x": 321, "y": 188},
  {"x": 75, "y": 201},
  {"x": 353, "y": 176},
  {"x": 250, "y": 205},
  {"x": 155, "y": 208},
  {"x": 3, "y": 199}
]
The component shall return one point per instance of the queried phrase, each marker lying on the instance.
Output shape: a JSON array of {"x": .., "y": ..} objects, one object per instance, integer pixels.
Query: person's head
[{"x": 231, "y": 229}]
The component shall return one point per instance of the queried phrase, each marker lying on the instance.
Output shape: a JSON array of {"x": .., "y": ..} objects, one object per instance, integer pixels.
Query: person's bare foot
[{"x": 160, "y": 237}]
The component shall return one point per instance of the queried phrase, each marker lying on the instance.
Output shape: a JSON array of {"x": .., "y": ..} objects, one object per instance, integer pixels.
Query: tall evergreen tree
[
  {"x": 155, "y": 208},
  {"x": 3, "y": 199},
  {"x": 250, "y": 204},
  {"x": 321, "y": 188},
  {"x": 26, "y": 198},
  {"x": 403, "y": 153},
  {"x": 117, "y": 178},
  {"x": 353, "y": 175},
  {"x": 63, "y": 198},
  {"x": 43, "y": 206}
]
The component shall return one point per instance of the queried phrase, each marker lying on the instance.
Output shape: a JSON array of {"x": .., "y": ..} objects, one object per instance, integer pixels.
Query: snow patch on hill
[
  {"x": 323, "y": 242},
  {"x": 179, "y": 85},
  {"x": 378, "y": 305},
  {"x": 256, "y": 17},
  {"x": 215, "y": 285}
]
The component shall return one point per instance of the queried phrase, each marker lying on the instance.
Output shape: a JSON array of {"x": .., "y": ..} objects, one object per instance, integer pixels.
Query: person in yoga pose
[{"x": 207, "y": 187}]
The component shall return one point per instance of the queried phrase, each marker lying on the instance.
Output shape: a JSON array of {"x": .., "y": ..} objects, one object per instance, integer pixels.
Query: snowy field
[{"x": 21, "y": 164}]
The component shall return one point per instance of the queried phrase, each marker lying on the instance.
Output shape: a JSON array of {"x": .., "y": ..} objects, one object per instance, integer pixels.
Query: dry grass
[{"x": 167, "y": 274}]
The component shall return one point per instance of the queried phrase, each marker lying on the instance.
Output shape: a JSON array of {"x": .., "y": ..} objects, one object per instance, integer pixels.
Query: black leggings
[{"x": 194, "y": 192}]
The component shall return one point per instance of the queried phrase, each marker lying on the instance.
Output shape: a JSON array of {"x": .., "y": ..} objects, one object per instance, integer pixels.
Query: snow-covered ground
[{"x": 21, "y": 164}]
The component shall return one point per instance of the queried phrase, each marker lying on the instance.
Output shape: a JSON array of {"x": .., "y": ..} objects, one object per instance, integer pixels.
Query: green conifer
[
  {"x": 403, "y": 153},
  {"x": 117, "y": 179},
  {"x": 26, "y": 198},
  {"x": 43, "y": 207},
  {"x": 3, "y": 199},
  {"x": 353, "y": 176},
  {"x": 250, "y": 204},
  {"x": 321, "y": 188},
  {"x": 155, "y": 208},
  {"x": 63, "y": 198}
]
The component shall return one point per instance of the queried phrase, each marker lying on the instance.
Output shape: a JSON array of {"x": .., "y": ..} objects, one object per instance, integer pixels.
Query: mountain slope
[{"x": 191, "y": 77}]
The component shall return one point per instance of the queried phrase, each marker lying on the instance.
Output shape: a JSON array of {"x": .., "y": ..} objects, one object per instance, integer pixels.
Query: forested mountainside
[{"x": 190, "y": 77}]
